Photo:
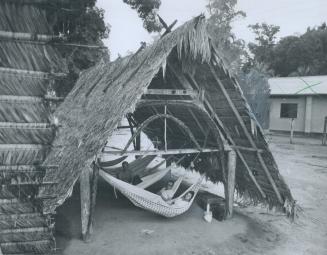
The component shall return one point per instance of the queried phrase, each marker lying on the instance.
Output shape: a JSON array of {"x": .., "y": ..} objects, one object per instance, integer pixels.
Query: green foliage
[
  {"x": 146, "y": 10},
  {"x": 254, "y": 82},
  {"x": 302, "y": 55},
  {"x": 265, "y": 39},
  {"x": 222, "y": 14},
  {"x": 81, "y": 22},
  {"x": 292, "y": 55}
]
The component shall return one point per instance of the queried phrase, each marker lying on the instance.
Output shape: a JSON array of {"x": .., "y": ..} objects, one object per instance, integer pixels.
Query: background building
[{"x": 301, "y": 98}]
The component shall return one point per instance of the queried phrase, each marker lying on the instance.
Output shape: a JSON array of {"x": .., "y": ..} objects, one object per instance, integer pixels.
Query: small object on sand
[
  {"x": 208, "y": 214},
  {"x": 217, "y": 204},
  {"x": 147, "y": 231}
]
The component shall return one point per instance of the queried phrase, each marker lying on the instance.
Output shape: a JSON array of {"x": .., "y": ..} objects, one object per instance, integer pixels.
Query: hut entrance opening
[{"x": 172, "y": 116}]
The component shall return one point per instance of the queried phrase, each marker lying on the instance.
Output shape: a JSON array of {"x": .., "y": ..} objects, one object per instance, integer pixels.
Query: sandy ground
[{"x": 121, "y": 228}]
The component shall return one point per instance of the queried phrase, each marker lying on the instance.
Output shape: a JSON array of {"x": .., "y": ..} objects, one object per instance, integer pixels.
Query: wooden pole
[
  {"x": 85, "y": 191},
  {"x": 230, "y": 186},
  {"x": 292, "y": 131},
  {"x": 160, "y": 152},
  {"x": 88, "y": 190},
  {"x": 165, "y": 129},
  {"x": 324, "y": 135},
  {"x": 94, "y": 189}
]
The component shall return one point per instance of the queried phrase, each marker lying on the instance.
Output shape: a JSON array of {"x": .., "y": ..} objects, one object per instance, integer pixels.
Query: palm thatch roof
[
  {"x": 27, "y": 71},
  {"x": 105, "y": 94}
]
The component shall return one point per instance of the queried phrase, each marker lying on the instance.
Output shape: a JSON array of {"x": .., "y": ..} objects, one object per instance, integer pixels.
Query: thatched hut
[
  {"x": 30, "y": 67},
  {"x": 179, "y": 80}
]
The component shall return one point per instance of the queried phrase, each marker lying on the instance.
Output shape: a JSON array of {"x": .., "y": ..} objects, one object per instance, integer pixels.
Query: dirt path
[{"x": 124, "y": 229}]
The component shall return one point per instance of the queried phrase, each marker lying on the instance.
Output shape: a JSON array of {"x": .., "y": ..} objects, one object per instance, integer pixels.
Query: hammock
[
  {"x": 137, "y": 166},
  {"x": 111, "y": 163},
  {"x": 153, "y": 202},
  {"x": 147, "y": 181},
  {"x": 171, "y": 192}
]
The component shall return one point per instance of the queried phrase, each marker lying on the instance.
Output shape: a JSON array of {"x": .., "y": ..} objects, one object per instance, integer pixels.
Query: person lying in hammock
[
  {"x": 182, "y": 201},
  {"x": 127, "y": 175},
  {"x": 167, "y": 192}
]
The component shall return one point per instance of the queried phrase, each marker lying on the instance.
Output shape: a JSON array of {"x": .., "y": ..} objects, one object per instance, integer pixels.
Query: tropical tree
[
  {"x": 222, "y": 13},
  {"x": 301, "y": 55},
  {"x": 146, "y": 10},
  {"x": 265, "y": 39},
  {"x": 82, "y": 23}
]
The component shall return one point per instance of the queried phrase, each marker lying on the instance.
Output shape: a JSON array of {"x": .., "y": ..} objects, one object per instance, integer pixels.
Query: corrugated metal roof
[{"x": 305, "y": 85}]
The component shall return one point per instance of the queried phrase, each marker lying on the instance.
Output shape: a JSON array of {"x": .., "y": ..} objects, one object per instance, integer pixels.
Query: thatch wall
[
  {"x": 23, "y": 112},
  {"x": 25, "y": 19},
  {"x": 104, "y": 94},
  {"x": 30, "y": 56},
  {"x": 27, "y": 71},
  {"x": 22, "y": 156},
  {"x": 11, "y": 84}
]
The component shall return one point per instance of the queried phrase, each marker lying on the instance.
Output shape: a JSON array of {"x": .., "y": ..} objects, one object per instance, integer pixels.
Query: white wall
[
  {"x": 319, "y": 112},
  {"x": 283, "y": 124}
]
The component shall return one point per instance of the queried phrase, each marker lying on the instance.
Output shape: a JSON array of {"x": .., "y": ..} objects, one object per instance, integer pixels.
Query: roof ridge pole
[{"x": 247, "y": 134}]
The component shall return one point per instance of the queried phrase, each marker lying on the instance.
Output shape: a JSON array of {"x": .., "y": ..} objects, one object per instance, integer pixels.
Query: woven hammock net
[{"x": 153, "y": 202}]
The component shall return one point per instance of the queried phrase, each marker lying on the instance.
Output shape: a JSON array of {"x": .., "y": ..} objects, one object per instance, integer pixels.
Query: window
[{"x": 288, "y": 110}]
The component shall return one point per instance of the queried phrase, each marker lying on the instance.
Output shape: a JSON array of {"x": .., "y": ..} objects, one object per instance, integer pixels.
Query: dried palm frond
[
  {"x": 26, "y": 135},
  {"x": 28, "y": 56},
  {"x": 23, "y": 112},
  {"x": 45, "y": 246},
  {"x": 27, "y": 19},
  {"x": 13, "y": 84},
  {"x": 26, "y": 156}
]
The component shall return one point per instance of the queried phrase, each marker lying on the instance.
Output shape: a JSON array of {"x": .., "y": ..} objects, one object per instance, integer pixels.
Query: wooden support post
[
  {"x": 292, "y": 131},
  {"x": 165, "y": 129},
  {"x": 138, "y": 142},
  {"x": 132, "y": 131},
  {"x": 230, "y": 185},
  {"x": 94, "y": 189},
  {"x": 324, "y": 135},
  {"x": 85, "y": 191},
  {"x": 88, "y": 190}
]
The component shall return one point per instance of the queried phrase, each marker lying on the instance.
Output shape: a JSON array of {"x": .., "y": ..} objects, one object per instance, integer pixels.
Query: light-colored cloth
[
  {"x": 180, "y": 202},
  {"x": 166, "y": 194}
]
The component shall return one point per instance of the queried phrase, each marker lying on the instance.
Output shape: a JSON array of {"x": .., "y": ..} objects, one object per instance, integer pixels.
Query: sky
[{"x": 293, "y": 16}]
